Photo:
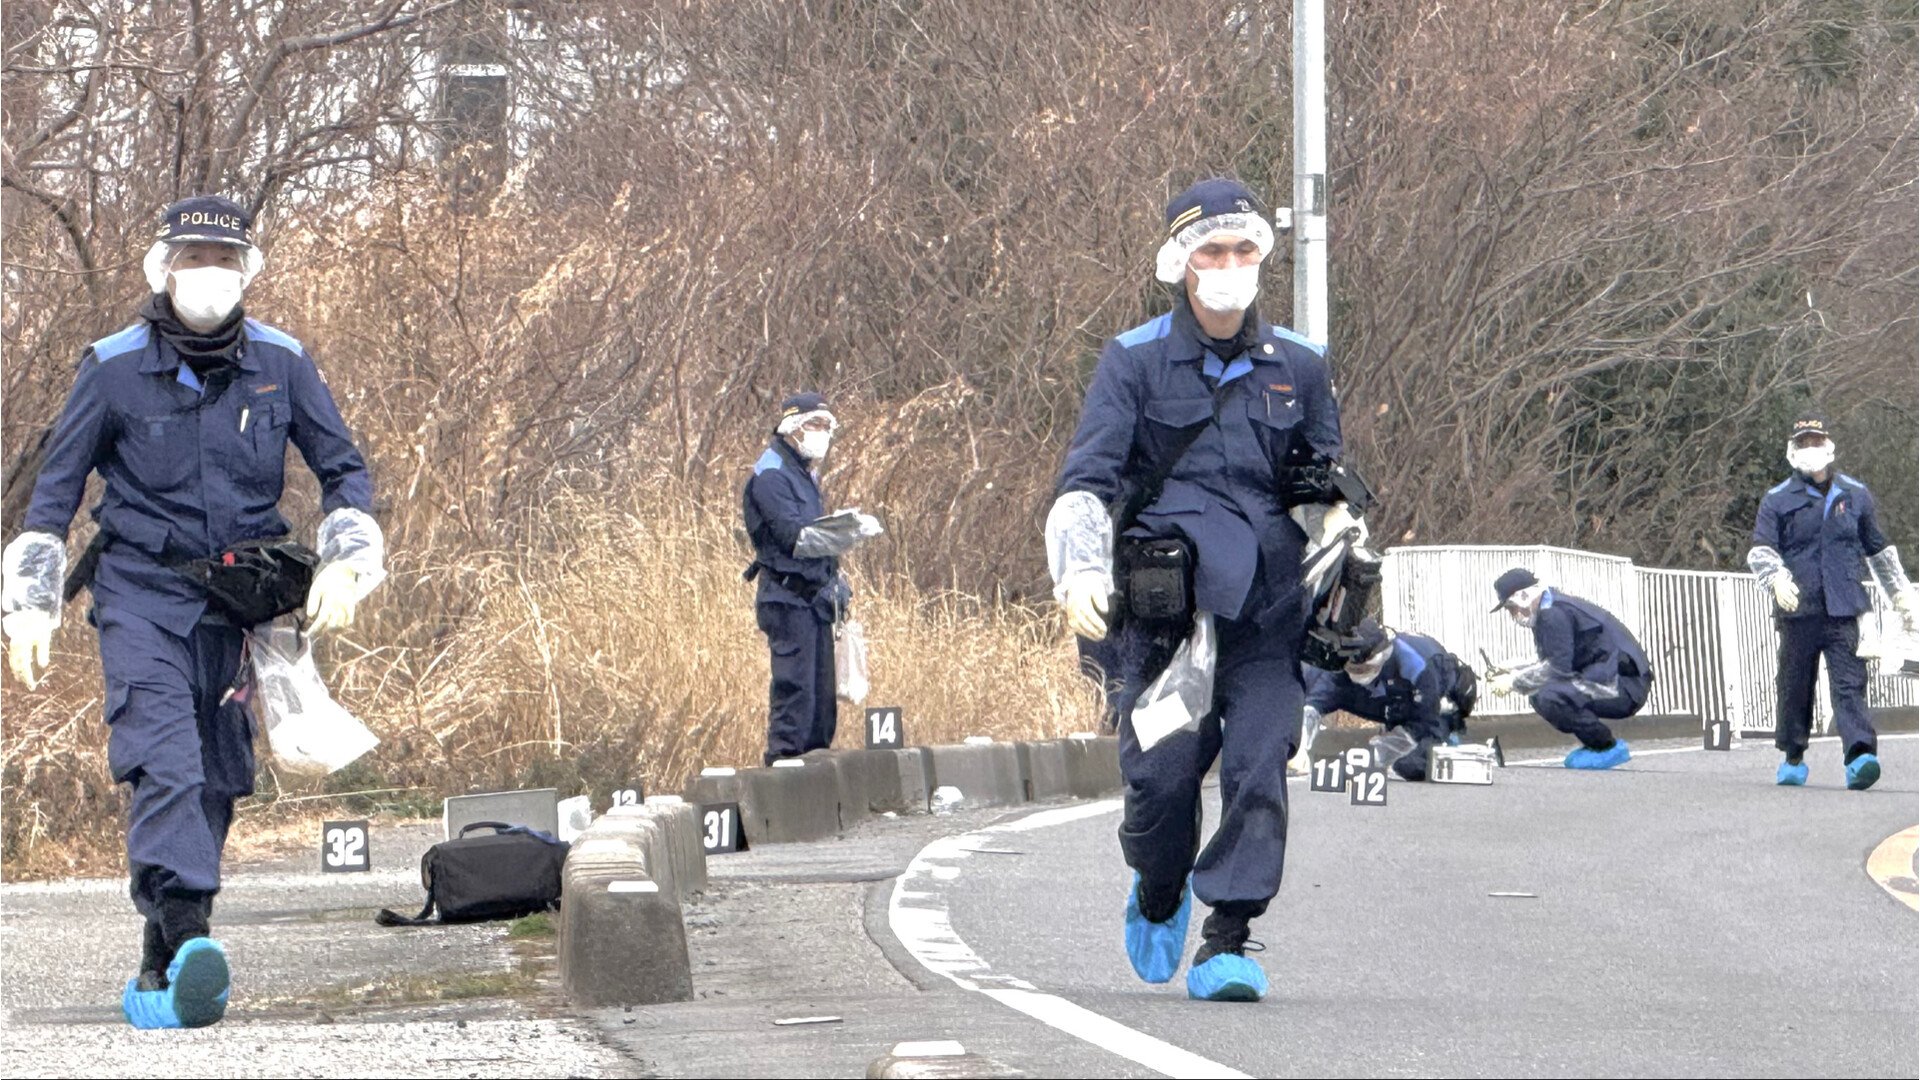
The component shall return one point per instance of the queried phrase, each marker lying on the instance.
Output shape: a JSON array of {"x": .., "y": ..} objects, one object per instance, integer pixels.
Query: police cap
[
  {"x": 206, "y": 219},
  {"x": 1809, "y": 423},
  {"x": 1512, "y": 582},
  {"x": 1209, "y": 198}
]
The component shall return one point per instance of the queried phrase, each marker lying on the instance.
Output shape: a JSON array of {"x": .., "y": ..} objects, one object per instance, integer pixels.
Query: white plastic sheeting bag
[
  {"x": 35, "y": 572},
  {"x": 850, "y": 661},
  {"x": 352, "y": 537},
  {"x": 1889, "y": 645},
  {"x": 836, "y": 534},
  {"x": 1079, "y": 540},
  {"x": 308, "y": 732},
  {"x": 1183, "y": 694}
]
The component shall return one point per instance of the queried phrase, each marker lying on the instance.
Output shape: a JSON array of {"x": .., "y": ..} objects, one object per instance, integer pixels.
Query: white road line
[
  {"x": 918, "y": 917},
  {"x": 1537, "y": 763}
]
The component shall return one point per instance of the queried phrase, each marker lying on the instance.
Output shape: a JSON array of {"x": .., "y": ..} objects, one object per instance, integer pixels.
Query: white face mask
[
  {"x": 1811, "y": 459},
  {"x": 813, "y": 444},
  {"x": 1364, "y": 672},
  {"x": 1525, "y": 604},
  {"x": 1227, "y": 289},
  {"x": 205, "y": 295}
]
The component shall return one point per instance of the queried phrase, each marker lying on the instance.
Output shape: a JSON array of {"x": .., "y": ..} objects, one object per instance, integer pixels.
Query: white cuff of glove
[{"x": 1086, "y": 597}]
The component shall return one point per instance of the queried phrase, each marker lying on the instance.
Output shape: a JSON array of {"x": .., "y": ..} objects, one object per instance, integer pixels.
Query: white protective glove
[
  {"x": 1785, "y": 592},
  {"x": 1501, "y": 682},
  {"x": 29, "y": 645},
  {"x": 332, "y": 597},
  {"x": 1337, "y": 520},
  {"x": 1084, "y": 597},
  {"x": 1302, "y": 761}
]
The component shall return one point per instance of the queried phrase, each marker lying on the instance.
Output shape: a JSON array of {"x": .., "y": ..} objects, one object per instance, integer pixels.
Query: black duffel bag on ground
[{"x": 509, "y": 872}]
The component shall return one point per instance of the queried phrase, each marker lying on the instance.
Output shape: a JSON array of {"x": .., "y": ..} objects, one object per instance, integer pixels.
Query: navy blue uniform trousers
[
  {"x": 1803, "y": 641},
  {"x": 1570, "y": 710},
  {"x": 802, "y": 710},
  {"x": 187, "y": 756},
  {"x": 1253, "y": 730}
]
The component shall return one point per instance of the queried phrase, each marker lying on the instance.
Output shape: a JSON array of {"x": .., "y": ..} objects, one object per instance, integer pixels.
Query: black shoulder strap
[
  {"x": 390, "y": 917},
  {"x": 1149, "y": 490}
]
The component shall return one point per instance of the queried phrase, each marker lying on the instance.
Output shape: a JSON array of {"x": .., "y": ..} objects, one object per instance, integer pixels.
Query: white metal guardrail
[{"x": 1709, "y": 634}]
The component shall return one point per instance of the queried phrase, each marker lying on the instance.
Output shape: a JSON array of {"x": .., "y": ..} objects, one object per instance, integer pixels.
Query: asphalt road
[
  {"x": 319, "y": 990},
  {"x": 1687, "y": 918}
]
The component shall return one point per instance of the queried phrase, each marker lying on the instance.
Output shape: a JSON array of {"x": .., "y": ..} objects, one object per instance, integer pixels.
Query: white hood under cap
[
  {"x": 1170, "y": 265},
  {"x": 155, "y": 265}
]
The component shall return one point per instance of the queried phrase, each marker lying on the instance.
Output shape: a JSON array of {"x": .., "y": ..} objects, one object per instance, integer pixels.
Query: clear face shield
[
  {"x": 204, "y": 291},
  {"x": 1810, "y": 454},
  {"x": 1364, "y": 671},
  {"x": 811, "y": 432}
]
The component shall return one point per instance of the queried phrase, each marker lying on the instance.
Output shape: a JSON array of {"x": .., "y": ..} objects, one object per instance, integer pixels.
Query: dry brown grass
[{"x": 618, "y": 645}]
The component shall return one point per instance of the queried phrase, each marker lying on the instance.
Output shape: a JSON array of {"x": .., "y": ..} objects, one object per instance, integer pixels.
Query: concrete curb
[
  {"x": 1093, "y": 766},
  {"x": 987, "y": 774},
  {"x": 880, "y": 781},
  {"x": 777, "y": 806},
  {"x": 680, "y": 850},
  {"x": 621, "y": 940},
  {"x": 1043, "y": 769},
  {"x": 831, "y": 790}
]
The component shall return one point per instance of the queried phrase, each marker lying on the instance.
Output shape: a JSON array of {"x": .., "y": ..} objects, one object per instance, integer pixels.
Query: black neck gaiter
[{"x": 203, "y": 351}]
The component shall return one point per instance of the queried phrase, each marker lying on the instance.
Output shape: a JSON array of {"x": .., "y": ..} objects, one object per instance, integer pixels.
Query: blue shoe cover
[
  {"x": 1156, "y": 948},
  {"x": 198, "y": 982},
  {"x": 1791, "y": 775},
  {"x": 148, "y": 1010},
  {"x": 1583, "y": 758},
  {"x": 1227, "y": 977},
  {"x": 1862, "y": 772}
]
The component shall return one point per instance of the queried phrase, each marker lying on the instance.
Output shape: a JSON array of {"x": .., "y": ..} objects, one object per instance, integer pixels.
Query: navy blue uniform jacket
[
  {"x": 1417, "y": 677},
  {"x": 186, "y": 476},
  {"x": 781, "y": 498},
  {"x": 1580, "y": 639},
  {"x": 1824, "y": 539},
  {"x": 1223, "y": 495}
]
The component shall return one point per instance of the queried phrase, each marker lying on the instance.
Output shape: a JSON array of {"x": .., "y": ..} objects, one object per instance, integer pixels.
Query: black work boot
[
  {"x": 1224, "y": 933},
  {"x": 1221, "y": 970},
  {"x": 183, "y": 918},
  {"x": 154, "y": 957}
]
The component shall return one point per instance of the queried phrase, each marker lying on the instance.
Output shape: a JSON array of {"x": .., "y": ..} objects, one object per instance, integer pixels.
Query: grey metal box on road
[{"x": 538, "y": 808}]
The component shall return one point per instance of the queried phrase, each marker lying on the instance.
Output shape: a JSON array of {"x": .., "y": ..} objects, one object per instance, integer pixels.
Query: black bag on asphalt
[{"x": 509, "y": 872}]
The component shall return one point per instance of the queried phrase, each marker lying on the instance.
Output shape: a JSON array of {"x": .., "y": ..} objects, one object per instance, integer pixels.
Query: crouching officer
[
  {"x": 186, "y": 415},
  {"x": 1201, "y": 430},
  {"x": 801, "y": 593},
  {"x": 1589, "y": 667},
  {"x": 1421, "y": 692},
  {"x": 1813, "y": 532}
]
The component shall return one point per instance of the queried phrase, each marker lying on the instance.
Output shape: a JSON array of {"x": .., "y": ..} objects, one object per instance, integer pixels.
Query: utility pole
[{"x": 1310, "y": 169}]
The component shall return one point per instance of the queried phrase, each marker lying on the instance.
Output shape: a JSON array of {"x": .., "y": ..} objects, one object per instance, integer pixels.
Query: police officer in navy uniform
[
  {"x": 1238, "y": 419},
  {"x": 1421, "y": 692},
  {"x": 186, "y": 415},
  {"x": 1588, "y": 668},
  {"x": 801, "y": 593},
  {"x": 1813, "y": 532}
]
